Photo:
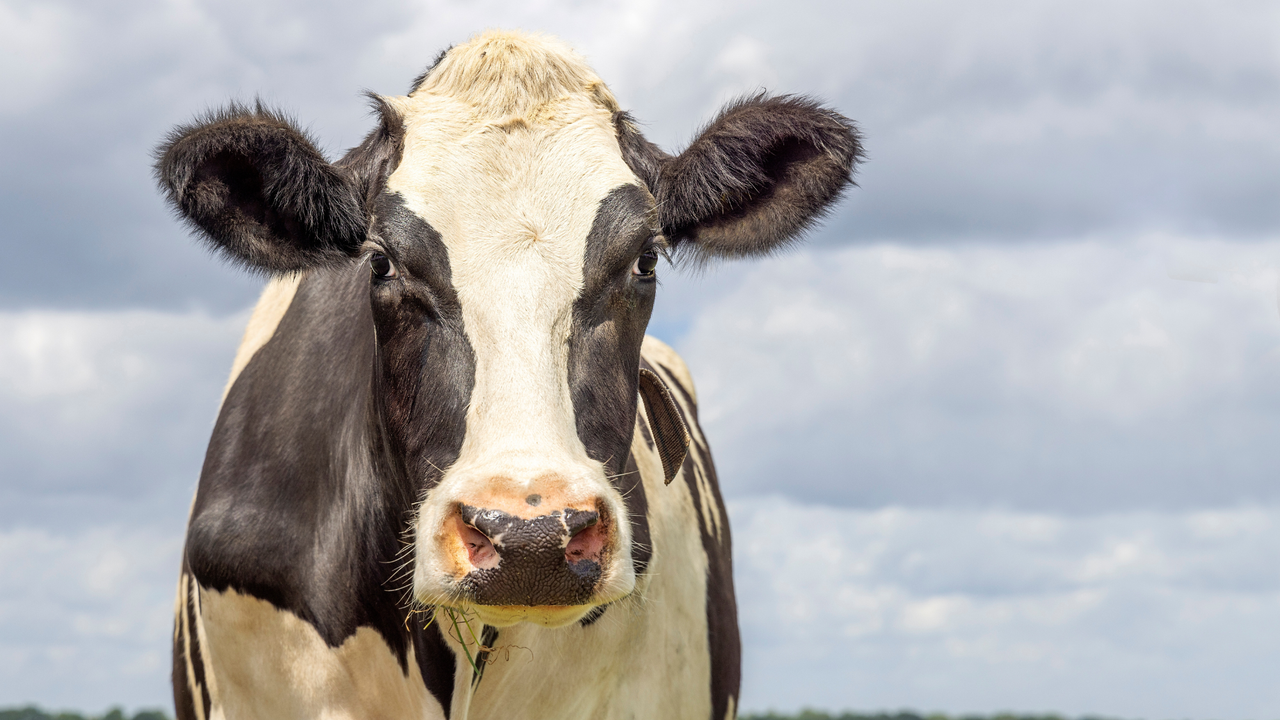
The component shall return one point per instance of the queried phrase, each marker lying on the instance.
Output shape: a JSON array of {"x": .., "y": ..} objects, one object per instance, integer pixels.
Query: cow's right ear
[{"x": 260, "y": 191}]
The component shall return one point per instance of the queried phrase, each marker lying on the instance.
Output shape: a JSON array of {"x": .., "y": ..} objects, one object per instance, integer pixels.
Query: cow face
[{"x": 510, "y": 220}]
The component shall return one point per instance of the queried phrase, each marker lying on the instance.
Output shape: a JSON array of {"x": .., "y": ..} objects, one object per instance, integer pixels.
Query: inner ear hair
[
  {"x": 372, "y": 161},
  {"x": 759, "y": 175},
  {"x": 259, "y": 191}
]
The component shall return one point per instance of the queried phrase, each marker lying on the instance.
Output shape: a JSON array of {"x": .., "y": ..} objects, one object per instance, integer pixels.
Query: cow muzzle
[
  {"x": 556, "y": 559},
  {"x": 519, "y": 545}
]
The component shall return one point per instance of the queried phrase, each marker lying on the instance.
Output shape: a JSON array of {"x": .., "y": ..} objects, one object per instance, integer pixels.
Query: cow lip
[{"x": 550, "y": 616}]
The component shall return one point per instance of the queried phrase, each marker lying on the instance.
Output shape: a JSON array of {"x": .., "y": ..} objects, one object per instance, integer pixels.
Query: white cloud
[
  {"x": 1069, "y": 375},
  {"x": 35, "y": 52},
  {"x": 104, "y": 417},
  {"x": 86, "y": 616},
  {"x": 1126, "y": 614},
  {"x": 106, "y": 406},
  {"x": 992, "y": 120}
]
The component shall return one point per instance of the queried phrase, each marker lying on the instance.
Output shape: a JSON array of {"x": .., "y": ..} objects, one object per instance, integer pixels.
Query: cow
[{"x": 451, "y": 477}]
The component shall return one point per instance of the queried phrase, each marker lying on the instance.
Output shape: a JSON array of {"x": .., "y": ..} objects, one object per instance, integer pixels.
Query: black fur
[
  {"x": 302, "y": 501},
  {"x": 671, "y": 437},
  {"x": 609, "y": 319},
  {"x": 422, "y": 77},
  {"x": 259, "y": 190},
  {"x": 426, "y": 366},
  {"x": 643, "y": 157},
  {"x": 755, "y": 178},
  {"x": 187, "y": 648},
  {"x": 371, "y": 162}
]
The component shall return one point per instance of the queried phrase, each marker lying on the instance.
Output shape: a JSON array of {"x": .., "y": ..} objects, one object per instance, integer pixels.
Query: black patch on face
[
  {"x": 636, "y": 501},
  {"x": 609, "y": 320},
  {"x": 426, "y": 364},
  {"x": 328, "y": 438},
  {"x": 722, "y": 605}
]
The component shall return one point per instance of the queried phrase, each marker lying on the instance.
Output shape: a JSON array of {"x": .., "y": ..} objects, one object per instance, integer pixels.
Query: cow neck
[{"x": 300, "y": 433}]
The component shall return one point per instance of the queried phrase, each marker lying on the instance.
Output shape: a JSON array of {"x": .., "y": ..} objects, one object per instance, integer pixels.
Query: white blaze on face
[{"x": 509, "y": 149}]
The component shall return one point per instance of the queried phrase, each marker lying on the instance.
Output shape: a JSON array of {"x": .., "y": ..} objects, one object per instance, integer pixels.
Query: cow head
[{"x": 508, "y": 219}]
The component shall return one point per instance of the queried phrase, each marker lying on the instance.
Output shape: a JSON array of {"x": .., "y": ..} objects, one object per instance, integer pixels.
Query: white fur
[
  {"x": 512, "y": 184},
  {"x": 271, "y": 664}
]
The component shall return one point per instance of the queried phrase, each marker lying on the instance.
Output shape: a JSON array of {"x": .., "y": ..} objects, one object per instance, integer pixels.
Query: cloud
[
  {"x": 1055, "y": 292},
  {"x": 106, "y": 415},
  {"x": 86, "y": 616},
  {"x": 1119, "y": 614},
  {"x": 1071, "y": 376},
  {"x": 995, "y": 121}
]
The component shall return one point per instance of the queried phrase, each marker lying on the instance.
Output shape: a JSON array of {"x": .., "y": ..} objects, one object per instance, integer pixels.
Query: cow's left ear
[
  {"x": 668, "y": 429},
  {"x": 757, "y": 176},
  {"x": 259, "y": 190}
]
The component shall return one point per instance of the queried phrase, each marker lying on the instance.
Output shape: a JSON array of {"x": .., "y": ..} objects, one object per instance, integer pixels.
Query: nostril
[
  {"x": 480, "y": 549},
  {"x": 587, "y": 544}
]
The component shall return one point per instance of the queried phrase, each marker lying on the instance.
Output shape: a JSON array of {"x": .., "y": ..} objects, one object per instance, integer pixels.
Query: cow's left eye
[
  {"x": 645, "y": 264},
  {"x": 381, "y": 266}
]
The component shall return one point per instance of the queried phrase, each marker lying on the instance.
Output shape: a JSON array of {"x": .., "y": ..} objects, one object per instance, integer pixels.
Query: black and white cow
[{"x": 450, "y": 476}]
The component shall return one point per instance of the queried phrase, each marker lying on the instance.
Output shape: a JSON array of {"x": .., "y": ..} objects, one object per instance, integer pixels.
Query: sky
[{"x": 998, "y": 437}]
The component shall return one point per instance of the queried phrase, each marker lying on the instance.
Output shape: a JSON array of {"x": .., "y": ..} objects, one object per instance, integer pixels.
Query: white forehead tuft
[
  {"x": 509, "y": 129},
  {"x": 513, "y": 74}
]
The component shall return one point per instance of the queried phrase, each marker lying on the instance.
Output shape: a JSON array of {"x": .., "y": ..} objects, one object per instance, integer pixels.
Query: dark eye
[
  {"x": 645, "y": 264},
  {"x": 381, "y": 266}
]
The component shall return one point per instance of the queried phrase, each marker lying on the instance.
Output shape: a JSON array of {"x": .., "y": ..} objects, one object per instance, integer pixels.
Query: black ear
[
  {"x": 757, "y": 176},
  {"x": 669, "y": 432},
  {"x": 260, "y": 191}
]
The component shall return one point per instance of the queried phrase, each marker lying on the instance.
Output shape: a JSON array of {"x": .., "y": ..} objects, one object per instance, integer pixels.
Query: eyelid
[{"x": 658, "y": 243}]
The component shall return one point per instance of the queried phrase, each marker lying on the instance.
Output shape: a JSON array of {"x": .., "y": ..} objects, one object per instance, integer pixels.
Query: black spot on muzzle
[{"x": 533, "y": 569}]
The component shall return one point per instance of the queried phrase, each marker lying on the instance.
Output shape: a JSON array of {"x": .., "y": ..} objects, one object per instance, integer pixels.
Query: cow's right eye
[{"x": 381, "y": 266}]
